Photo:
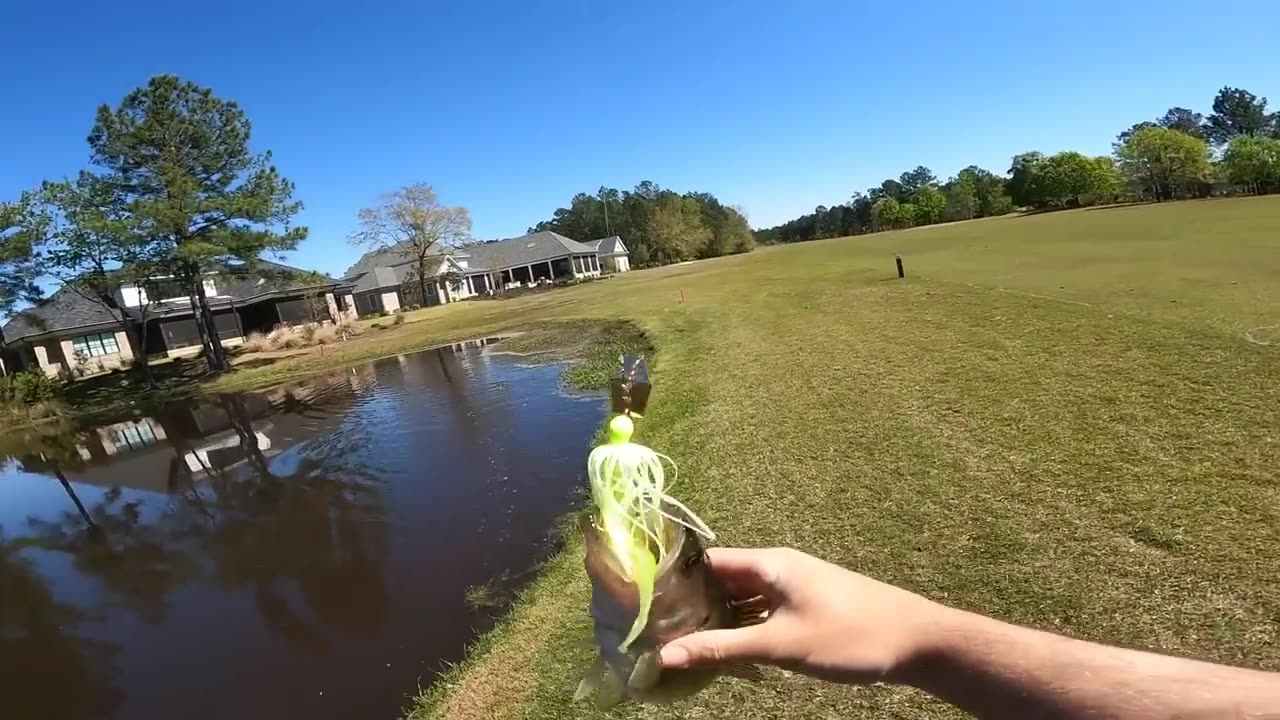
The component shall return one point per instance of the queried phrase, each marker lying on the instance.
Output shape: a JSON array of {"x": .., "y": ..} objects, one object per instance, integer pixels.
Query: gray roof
[
  {"x": 67, "y": 309},
  {"x": 394, "y": 255},
  {"x": 611, "y": 245},
  {"x": 391, "y": 276},
  {"x": 63, "y": 310},
  {"x": 378, "y": 277},
  {"x": 527, "y": 249}
]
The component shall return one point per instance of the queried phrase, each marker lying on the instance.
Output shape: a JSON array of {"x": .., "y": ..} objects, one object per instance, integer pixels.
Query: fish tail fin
[
  {"x": 591, "y": 680},
  {"x": 613, "y": 690},
  {"x": 646, "y": 673}
]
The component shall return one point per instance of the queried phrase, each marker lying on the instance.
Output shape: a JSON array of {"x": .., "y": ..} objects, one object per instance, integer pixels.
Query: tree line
[
  {"x": 658, "y": 226},
  {"x": 1181, "y": 154}
]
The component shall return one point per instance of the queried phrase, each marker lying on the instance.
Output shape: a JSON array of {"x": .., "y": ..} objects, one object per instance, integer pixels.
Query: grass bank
[{"x": 1066, "y": 420}]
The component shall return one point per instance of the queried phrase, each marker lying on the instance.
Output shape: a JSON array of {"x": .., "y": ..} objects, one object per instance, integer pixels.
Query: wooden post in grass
[{"x": 901, "y": 273}]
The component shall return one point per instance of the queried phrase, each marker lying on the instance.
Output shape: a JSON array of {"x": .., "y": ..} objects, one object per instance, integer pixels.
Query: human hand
[{"x": 823, "y": 620}]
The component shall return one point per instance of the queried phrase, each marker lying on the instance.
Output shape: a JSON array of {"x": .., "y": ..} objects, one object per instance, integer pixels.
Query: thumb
[{"x": 716, "y": 647}]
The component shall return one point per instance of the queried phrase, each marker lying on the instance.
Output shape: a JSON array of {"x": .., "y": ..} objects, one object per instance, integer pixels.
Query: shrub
[
  {"x": 324, "y": 335},
  {"x": 255, "y": 342},
  {"x": 348, "y": 329},
  {"x": 29, "y": 387},
  {"x": 284, "y": 338},
  {"x": 308, "y": 332}
]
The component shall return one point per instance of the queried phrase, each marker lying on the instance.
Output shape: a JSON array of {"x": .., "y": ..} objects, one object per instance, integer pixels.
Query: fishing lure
[{"x": 629, "y": 492}]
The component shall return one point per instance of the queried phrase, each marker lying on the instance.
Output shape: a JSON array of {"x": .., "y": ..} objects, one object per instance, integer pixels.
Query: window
[
  {"x": 132, "y": 436},
  {"x": 165, "y": 289},
  {"x": 96, "y": 345}
]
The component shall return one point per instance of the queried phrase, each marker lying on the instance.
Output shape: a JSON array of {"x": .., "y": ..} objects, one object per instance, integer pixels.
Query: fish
[{"x": 688, "y": 597}]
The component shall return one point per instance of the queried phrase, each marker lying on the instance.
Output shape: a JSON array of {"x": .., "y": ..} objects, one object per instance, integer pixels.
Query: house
[
  {"x": 613, "y": 255},
  {"x": 71, "y": 335},
  {"x": 386, "y": 279},
  {"x": 529, "y": 259}
]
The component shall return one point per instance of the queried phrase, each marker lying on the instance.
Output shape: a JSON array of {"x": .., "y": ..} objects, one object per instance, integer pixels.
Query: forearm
[{"x": 996, "y": 670}]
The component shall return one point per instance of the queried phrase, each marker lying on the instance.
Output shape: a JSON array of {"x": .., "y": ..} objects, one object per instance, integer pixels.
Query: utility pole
[{"x": 604, "y": 198}]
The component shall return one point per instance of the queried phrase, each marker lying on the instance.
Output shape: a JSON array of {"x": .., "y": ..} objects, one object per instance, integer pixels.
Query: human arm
[{"x": 831, "y": 623}]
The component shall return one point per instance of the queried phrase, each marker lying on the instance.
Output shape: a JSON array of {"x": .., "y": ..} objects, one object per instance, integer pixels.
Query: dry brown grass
[{"x": 255, "y": 342}]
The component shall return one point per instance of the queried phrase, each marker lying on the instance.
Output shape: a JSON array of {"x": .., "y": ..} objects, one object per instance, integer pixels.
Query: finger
[
  {"x": 745, "y": 572},
  {"x": 717, "y": 647}
]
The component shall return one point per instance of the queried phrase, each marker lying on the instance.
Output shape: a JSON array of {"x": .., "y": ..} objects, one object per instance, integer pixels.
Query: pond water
[{"x": 314, "y": 551}]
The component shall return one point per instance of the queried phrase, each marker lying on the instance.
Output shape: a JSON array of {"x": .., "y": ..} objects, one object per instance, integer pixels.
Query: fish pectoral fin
[
  {"x": 752, "y": 611},
  {"x": 647, "y": 672},
  {"x": 591, "y": 680},
  {"x": 611, "y": 691},
  {"x": 751, "y": 673},
  {"x": 744, "y": 617}
]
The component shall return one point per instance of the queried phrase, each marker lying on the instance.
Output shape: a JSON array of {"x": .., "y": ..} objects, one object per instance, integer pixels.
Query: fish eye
[{"x": 695, "y": 560}]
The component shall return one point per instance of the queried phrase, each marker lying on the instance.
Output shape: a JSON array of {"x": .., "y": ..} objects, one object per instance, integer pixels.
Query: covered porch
[
  {"x": 473, "y": 282},
  {"x": 568, "y": 267}
]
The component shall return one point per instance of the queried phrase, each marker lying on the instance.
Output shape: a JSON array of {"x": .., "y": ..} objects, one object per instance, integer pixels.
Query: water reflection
[{"x": 303, "y": 551}]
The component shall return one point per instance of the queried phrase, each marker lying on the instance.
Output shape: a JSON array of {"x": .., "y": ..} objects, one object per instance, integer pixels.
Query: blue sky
[{"x": 510, "y": 108}]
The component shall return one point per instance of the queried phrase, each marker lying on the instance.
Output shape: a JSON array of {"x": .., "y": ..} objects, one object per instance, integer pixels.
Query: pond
[{"x": 316, "y": 551}]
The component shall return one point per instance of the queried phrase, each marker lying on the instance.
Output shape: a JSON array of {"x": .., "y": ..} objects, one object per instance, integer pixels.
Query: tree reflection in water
[
  {"x": 242, "y": 527},
  {"x": 47, "y": 672},
  {"x": 321, "y": 534}
]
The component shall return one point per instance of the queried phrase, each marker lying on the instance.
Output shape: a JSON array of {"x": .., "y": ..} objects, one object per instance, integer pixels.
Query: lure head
[{"x": 621, "y": 428}]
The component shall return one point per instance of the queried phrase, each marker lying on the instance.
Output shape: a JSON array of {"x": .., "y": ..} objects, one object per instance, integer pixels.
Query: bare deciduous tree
[{"x": 413, "y": 222}]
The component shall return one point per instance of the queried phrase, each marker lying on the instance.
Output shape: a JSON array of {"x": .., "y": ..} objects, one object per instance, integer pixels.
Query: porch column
[
  {"x": 69, "y": 361},
  {"x": 42, "y": 359},
  {"x": 551, "y": 271},
  {"x": 530, "y": 269},
  {"x": 122, "y": 342},
  {"x": 332, "y": 304}
]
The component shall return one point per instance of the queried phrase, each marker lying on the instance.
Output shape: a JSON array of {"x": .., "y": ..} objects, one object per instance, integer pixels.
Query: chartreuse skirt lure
[{"x": 629, "y": 492}]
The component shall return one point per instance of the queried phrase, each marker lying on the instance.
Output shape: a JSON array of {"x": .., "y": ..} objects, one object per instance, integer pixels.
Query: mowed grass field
[{"x": 1070, "y": 421}]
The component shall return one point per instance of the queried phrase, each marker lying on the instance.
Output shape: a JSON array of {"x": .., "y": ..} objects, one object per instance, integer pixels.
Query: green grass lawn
[{"x": 1068, "y": 420}]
